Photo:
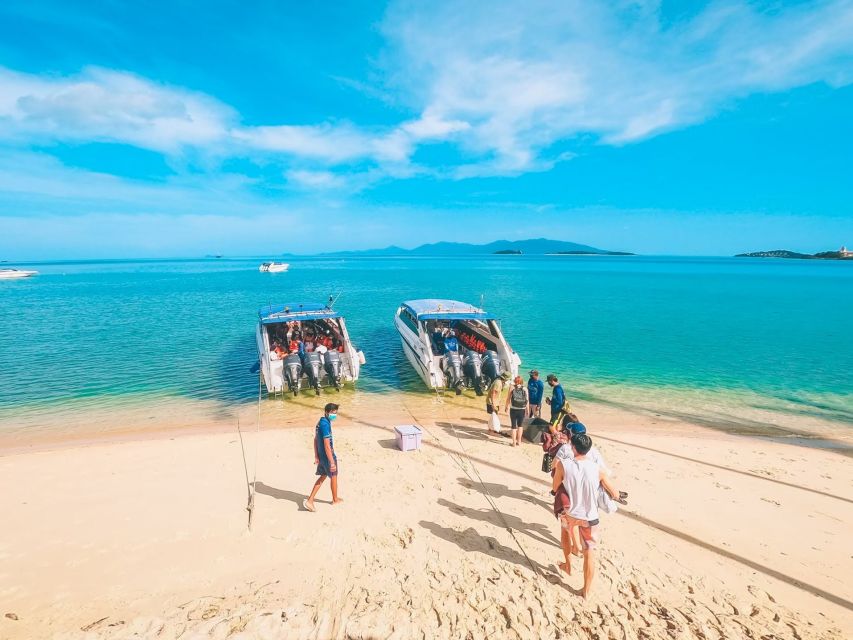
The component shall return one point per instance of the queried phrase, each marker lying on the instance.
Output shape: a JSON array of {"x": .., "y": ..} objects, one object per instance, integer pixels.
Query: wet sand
[{"x": 726, "y": 536}]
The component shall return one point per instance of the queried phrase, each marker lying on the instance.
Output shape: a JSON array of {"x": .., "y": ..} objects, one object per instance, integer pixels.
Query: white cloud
[
  {"x": 503, "y": 82},
  {"x": 316, "y": 179},
  {"x": 525, "y": 75},
  {"x": 103, "y": 105}
]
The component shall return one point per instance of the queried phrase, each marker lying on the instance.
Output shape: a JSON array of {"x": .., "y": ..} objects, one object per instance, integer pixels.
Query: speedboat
[
  {"x": 305, "y": 344},
  {"x": 12, "y": 274},
  {"x": 274, "y": 267},
  {"x": 454, "y": 345}
]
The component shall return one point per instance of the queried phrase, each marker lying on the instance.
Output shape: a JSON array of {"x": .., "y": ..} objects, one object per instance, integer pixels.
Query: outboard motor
[
  {"x": 473, "y": 368},
  {"x": 491, "y": 365},
  {"x": 332, "y": 365},
  {"x": 293, "y": 372},
  {"x": 313, "y": 368},
  {"x": 453, "y": 371}
]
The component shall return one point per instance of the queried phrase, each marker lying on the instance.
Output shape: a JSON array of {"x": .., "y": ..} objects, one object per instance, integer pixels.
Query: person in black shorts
[{"x": 516, "y": 401}]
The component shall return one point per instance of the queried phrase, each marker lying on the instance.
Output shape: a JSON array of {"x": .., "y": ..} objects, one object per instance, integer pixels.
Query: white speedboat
[
  {"x": 274, "y": 267},
  {"x": 454, "y": 345},
  {"x": 13, "y": 274},
  {"x": 305, "y": 343}
]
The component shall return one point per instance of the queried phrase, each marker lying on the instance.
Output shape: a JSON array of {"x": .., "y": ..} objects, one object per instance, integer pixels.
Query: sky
[{"x": 161, "y": 129}]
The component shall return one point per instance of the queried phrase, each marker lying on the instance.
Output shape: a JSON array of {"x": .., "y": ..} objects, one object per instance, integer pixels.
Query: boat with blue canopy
[
  {"x": 454, "y": 345},
  {"x": 305, "y": 344}
]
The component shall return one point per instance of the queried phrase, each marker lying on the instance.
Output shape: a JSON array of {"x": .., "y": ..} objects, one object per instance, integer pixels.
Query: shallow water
[{"x": 741, "y": 341}]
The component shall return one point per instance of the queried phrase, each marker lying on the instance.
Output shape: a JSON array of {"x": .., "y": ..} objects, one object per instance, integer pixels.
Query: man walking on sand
[
  {"x": 580, "y": 478},
  {"x": 324, "y": 456}
]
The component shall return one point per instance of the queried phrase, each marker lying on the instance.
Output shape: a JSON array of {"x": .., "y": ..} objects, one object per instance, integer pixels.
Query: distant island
[
  {"x": 536, "y": 246},
  {"x": 841, "y": 254},
  {"x": 590, "y": 253}
]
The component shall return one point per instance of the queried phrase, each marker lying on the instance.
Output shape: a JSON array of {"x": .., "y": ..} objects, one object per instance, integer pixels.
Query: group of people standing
[
  {"x": 580, "y": 478},
  {"x": 522, "y": 401},
  {"x": 580, "y": 483}
]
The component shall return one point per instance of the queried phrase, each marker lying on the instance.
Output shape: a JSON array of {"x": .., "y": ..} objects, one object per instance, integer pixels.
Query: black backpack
[{"x": 519, "y": 400}]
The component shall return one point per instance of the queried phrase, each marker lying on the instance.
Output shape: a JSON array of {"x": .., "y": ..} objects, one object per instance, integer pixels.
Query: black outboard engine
[
  {"x": 313, "y": 368},
  {"x": 473, "y": 368},
  {"x": 491, "y": 365},
  {"x": 293, "y": 372},
  {"x": 453, "y": 371},
  {"x": 332, "y": 365}
]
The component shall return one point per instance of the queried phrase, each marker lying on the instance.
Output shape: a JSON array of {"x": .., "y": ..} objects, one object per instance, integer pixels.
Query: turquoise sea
[{"x": 751, "y": 341}]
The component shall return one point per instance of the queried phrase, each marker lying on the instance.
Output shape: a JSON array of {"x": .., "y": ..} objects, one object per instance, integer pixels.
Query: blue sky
[{"x": 158, "y": 129}]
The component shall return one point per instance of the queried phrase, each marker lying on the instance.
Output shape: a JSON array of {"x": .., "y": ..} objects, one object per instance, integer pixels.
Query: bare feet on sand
[
  {"x": 337, "y": 500},
  {"x": 309, "y": 505},
  {"x": 567, "y": 567}
]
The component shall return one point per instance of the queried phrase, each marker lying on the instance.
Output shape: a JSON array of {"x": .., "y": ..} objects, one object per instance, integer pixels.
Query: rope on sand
[
  {"x": 489, "y": 498},
  {"x": 251, "y": 506}
]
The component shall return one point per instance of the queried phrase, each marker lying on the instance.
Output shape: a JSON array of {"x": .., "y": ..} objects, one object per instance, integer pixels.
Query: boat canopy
[
  {"x": 276, "y": 313},
  {"x": 435, "y": 309}
]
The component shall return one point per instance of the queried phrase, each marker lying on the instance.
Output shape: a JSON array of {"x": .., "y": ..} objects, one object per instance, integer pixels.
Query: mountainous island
[
  {"x": 841, "y": 254},
  {"x": 536, "y": 246}
]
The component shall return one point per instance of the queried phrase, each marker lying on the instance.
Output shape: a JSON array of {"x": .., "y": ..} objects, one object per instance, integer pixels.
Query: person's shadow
[{"x": 282, "y": 494}]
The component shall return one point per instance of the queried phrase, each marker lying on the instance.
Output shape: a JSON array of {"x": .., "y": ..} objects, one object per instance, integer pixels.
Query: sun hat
[{"x": 505, "y": 375}]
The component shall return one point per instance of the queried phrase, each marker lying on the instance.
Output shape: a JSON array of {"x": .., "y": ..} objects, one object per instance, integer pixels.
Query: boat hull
[{"x": 15, "y": 274}]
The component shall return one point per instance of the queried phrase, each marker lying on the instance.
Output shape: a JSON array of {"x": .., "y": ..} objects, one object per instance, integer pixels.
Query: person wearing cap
[
  {"x": 493, "y": 398},
  {"x": 535, "y": 393},
  {"x": 566, "y": 453},
  {"x": 558, "y": 397},
  {"x": 324, "y": 456}
]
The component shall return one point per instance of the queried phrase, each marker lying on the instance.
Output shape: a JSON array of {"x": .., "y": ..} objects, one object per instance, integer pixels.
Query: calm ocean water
[{"x": 719, "y": 336}]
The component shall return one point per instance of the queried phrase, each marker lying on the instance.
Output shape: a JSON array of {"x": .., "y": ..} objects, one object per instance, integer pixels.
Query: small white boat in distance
[
  {"x": 14, "y": 274},
  {"x": 305, "y": 341},
  {"x": 454, "y": 345},
  {"x": 274, "y": 267}
]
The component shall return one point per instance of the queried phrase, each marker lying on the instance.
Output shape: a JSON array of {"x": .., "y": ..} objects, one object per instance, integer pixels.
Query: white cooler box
[{"x": 408, "y": 437}]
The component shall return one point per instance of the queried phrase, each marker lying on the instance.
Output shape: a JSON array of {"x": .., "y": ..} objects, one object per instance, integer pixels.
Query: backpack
[{"x": 519, "y": 400}]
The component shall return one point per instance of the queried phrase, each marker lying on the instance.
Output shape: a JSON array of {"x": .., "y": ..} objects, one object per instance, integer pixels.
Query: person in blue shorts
[{"x": 324, "y": 456}]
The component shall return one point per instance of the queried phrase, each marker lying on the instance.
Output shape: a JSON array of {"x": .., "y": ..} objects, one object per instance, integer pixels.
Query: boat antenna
[{"x": 332, "y": 301}]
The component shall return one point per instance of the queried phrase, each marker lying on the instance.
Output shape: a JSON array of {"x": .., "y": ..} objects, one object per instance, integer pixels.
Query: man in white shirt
[{"x": 580, "y": 477}]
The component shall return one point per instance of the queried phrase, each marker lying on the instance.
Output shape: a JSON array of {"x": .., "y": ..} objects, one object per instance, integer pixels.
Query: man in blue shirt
[
  {"x": 535, "y": 392},
  {"x": 324, "y": 456},
  {"x": 558, "y": 398},
  {"x": 450, "y": 342}
]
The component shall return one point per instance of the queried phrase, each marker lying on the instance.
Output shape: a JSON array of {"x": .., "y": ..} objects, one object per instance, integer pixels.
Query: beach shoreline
[
  {"x": 171, "y": 418},
  {"x": 148, "y": 535}
]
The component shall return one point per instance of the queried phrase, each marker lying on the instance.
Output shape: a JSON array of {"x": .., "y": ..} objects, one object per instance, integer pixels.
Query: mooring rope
[{"x": 489, "y": 498}]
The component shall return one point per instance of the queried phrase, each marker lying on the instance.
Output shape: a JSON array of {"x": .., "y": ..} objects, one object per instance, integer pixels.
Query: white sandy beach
[{"x": 724, "y": 537}]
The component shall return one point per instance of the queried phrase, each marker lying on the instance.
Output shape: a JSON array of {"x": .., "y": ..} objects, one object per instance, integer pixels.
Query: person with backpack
[
  {"x": 516, "y": 401},
  {"x": 557, "y": 400}
]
